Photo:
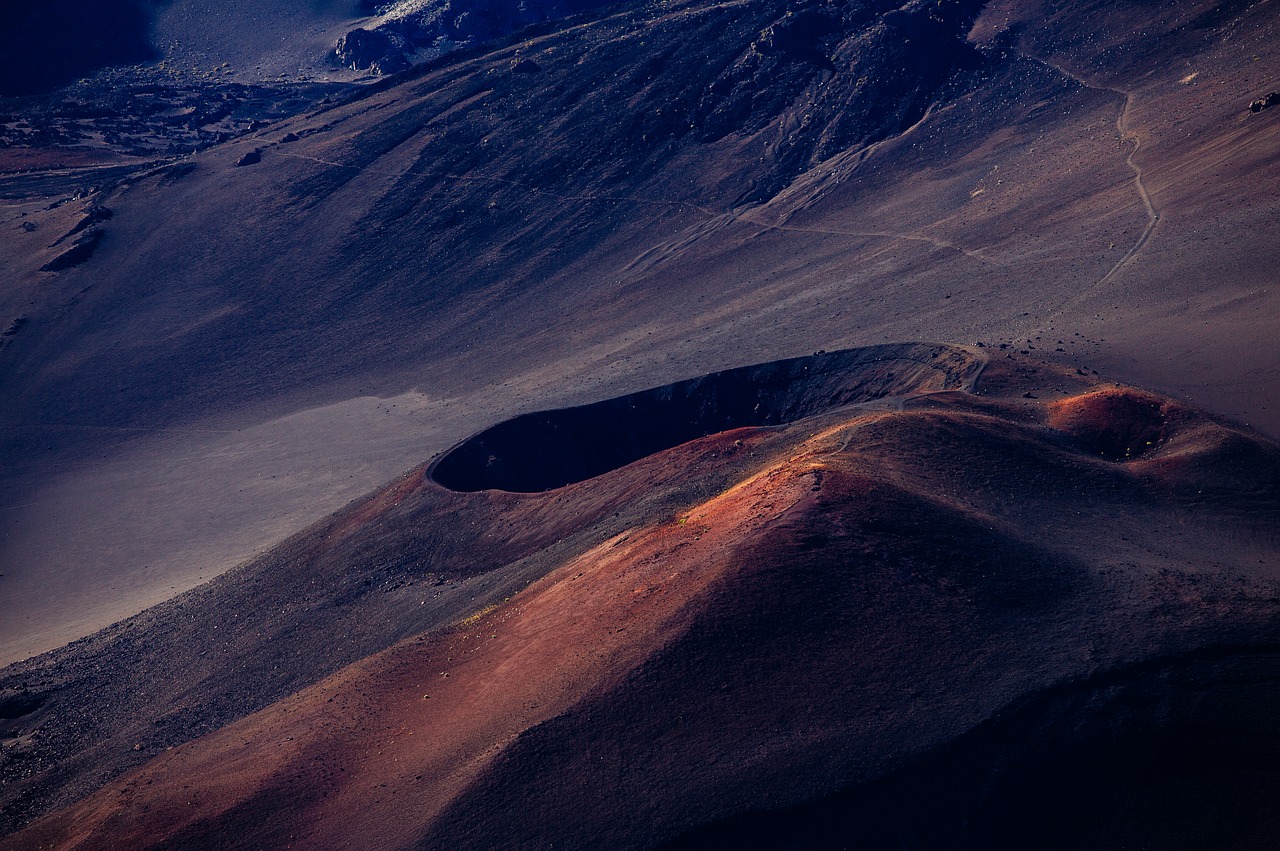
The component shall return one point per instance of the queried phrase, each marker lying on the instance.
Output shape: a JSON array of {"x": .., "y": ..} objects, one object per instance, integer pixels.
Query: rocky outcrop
[
  {"x": 94, "y": 214},
  {"x": 80, "y": 251},
  {"x": 87, "y": 234},
  {"x": 381, "y": 51},
  {"x": 1270, "y": 100},
  {"x": 416, "y": 30}
]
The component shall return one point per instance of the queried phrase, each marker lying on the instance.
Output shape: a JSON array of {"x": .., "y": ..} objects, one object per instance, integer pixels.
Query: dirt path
[{"x": 1128, "y": 134}]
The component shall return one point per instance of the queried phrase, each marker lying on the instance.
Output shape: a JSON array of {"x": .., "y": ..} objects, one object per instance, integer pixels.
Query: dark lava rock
[
  {"x": 525, "y": 66},
  {"x": 251, "y": 158},
  {"x": 371, "y": 50},
  {"x": 1262, "y": 103},
  {"x": 288, "y": 137}
]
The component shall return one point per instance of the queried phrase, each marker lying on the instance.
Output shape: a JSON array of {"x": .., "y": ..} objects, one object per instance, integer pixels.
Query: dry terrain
[
  {"x": 896, "y": 592},
  {"x": 632, "y": 590}
]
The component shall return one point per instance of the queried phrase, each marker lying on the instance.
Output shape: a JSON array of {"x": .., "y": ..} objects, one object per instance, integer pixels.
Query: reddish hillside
[{"x": 969, "y": 588}]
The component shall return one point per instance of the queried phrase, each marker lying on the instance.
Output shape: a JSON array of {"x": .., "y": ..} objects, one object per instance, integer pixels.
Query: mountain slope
[
  {"x": 854, "y": 597},
  {"x": 410, "y": 557},
  {"x": 675, "y": 190}
]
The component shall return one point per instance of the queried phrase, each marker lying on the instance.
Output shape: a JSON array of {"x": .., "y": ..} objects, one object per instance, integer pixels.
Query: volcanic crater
[
  {"x": 546, "y": 450},
  {"x": 908, "y": 595},
  {"x": 449, "y": 663}
]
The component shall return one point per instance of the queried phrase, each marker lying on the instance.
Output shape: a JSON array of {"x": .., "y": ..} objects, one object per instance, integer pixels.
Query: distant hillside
[{"x": 47, "y": 44}]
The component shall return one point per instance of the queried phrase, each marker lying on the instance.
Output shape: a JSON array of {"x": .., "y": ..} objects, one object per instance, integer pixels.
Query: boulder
[{"x": 371, "y": 50}]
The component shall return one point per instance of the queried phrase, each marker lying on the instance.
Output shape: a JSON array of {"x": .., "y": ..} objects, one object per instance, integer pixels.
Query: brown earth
[{"x": 815, "y": 623}]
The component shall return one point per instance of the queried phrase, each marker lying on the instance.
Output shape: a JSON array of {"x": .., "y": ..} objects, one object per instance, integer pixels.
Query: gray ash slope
[{"x": 471, "y": 177}]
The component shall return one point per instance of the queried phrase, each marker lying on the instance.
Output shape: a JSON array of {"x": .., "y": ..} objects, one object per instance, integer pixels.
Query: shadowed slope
[
  {"x": 863, "y": 592},
  {"x": 49, "y": 44}
]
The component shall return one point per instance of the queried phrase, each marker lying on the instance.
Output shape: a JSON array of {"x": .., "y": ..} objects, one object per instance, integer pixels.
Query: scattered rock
[
  {"x": 251, "y": 158},
  {"x": 1272, "y": 99},
  {"x": 288, "y": 137},
  {"x": 28, "y": 227},
  {"x": 525, "y": 66}
]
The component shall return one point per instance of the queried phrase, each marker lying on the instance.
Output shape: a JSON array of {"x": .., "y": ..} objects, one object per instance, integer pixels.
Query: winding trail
[{"x": 1126, "y": 134}]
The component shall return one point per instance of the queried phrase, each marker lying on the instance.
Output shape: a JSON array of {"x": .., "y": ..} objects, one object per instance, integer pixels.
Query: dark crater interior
[{"x": 549, "y": 449}]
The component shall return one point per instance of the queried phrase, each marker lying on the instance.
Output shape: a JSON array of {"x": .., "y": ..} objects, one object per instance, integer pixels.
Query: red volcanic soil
[
  {"x": 411, "y": 557},
  {"x": 1117, "y": 423},
  {"x": 872, "y": 626}
]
